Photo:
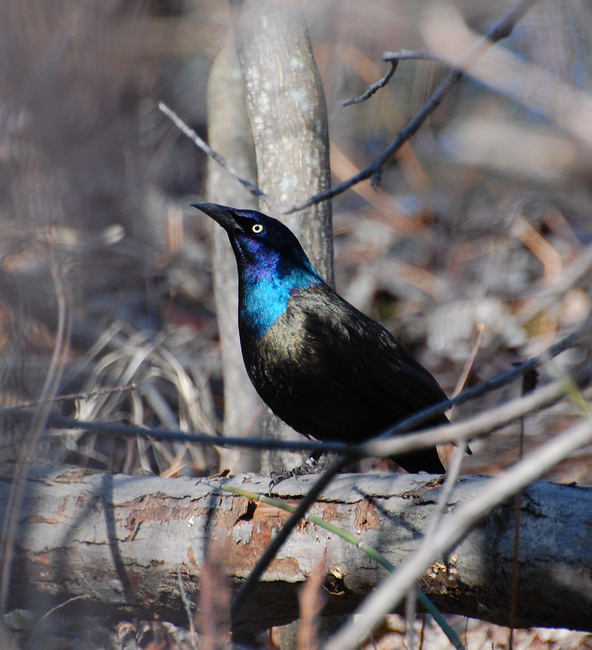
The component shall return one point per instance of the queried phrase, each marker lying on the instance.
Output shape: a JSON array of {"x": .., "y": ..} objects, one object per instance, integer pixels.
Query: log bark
[{"x": 119, "y": 541}]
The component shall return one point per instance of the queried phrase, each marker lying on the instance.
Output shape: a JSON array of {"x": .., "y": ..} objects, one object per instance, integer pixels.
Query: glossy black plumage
[{"x": 322, "y": 366}]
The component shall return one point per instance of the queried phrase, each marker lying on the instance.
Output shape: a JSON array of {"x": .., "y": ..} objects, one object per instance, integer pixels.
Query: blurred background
[{"x": 481, "y": 223}]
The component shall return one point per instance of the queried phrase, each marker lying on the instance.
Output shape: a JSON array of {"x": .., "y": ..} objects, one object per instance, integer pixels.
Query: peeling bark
[{"x": 119, "y": 540}]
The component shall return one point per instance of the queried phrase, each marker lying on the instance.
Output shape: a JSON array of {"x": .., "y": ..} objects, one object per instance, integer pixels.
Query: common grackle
[{"x": 322, "y": 366}]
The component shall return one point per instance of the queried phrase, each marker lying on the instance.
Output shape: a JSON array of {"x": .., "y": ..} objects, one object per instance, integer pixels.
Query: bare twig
[
  {"x": 52, "y": 611},
  {"x": 29, "y": 445},
  {"x": 477, "y": 391},
  {"x": 77, "y": 396},
  {"x": 375, "y": 87},
  {"x": 477, "y": 426},
  {"x": 212, "y": 616},
  {"x": 278, "y": 541},
  {"x": 500, "y": 30},
  {"x": 205, "y": 147},
  {"x": 508, "y": 74},
  {"x": 130, "y": 431},
  {"x": 404, "y": 55},
  {"x": 501, "y": 380},
  {"x": 475, "y": 347},
  {"x": 188, "y": 606},
  {"x": 529, "y": 383},
  {"x": 312, "y": 599},
  {"x": 452, "y": 475},
  {"x": 382, "y": 447}
]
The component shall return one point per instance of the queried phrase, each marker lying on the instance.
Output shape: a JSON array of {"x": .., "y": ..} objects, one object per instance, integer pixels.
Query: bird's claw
[{"x": 309, "y": 466}]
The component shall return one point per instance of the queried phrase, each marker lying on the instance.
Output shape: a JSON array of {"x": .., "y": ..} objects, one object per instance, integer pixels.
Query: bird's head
[{"x": 263, "y": 246}]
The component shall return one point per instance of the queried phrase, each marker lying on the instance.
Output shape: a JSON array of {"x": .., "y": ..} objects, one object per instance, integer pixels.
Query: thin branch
[
  {"x": 312, "y": 599},
  {"x": 452, "y": 475},
  {"x": 500, "y": 30},
  {"x": 394, "y": 588},
  {"x": 76, "y": 396},
  {"x": 278, "y": 541},
  {"x": 205, "y": 147},
  {"x": 38, "y": 623},
  {"x": 493, "y": 384},
  {"x": 130, "y": 431},
  {"x": 188, "y": 606},
  {"x": 380, "y": 447},
  {"x": 477, "y": 426},
  {"x": 528, "y": 384},
  {"x": 28, "y": 449},
  {"x": 470, "y": 362},
  {"x": 375, "y": 87},
  {"x": 403, "y": 55},
  {"x": 508, "y": 74},
  {"x": 384, "y": 445}
]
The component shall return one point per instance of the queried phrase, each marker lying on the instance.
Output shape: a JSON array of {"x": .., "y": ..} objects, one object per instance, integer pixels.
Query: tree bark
[
  {"x": 119, "y": 542},
  {"x": 288, "y": 119},
  {"x": 230, "y": 135}
]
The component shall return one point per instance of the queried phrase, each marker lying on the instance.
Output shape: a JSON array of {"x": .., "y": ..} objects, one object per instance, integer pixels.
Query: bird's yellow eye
[{"x": 257, "y": 228}]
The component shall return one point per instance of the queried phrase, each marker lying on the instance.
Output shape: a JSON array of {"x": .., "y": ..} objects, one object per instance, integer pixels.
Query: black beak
[{"x": 220, "y": 213}]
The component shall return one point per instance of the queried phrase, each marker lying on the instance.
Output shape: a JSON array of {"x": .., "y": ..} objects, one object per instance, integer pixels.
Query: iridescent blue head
[{"x": 272, "y": 266}]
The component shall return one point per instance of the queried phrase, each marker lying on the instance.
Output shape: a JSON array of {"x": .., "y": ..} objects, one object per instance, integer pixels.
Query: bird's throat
[{"x": 264, "y": 298}]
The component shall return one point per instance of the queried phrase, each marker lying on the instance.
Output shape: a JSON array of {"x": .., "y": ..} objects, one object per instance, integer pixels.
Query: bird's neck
[{"x": 264, "y": 294}]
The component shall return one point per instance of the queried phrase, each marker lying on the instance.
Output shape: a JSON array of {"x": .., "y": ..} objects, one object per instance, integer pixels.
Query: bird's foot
[{"x": 310, "y": 466}]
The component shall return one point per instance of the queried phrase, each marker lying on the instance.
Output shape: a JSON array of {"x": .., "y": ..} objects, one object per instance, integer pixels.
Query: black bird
[{"x": 322, "y": 366}]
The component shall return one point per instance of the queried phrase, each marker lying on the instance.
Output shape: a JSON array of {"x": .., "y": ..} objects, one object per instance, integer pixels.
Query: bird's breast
[
  {"x": 264, "y": 299},
  {"x": 332, "y": 373},
  {"x": 261, "y": 305}
]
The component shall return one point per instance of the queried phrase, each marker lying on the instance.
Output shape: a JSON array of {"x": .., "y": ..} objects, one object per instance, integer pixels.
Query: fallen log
[{"x": 117, "y": 545}]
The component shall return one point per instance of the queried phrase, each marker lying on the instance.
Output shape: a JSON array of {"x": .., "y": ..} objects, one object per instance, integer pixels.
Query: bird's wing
[{"x": 364, "y": 359}]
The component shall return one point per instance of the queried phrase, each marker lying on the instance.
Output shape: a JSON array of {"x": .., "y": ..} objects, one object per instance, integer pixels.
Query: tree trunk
[
  {"x": 288, "y": 120},
  {"x": 119, "y": 541},
  {"x": 230, "y": 135}
]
